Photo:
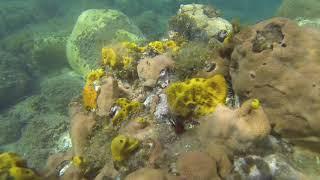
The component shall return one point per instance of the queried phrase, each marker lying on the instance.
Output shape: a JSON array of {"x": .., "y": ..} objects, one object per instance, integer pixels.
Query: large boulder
[
  {"x": 48, "y": 53},
  {"x": 299, "y": 8},
  {"x": 55, "y": 94},
  {"x": 94, "y": 29},
  {"x": 278, "y": 62},
  {"x": 13, "y": 120},
  {"x": 42, "y": 137},
  {"x": 57, "y": 91},
  {"x": 15, "y": 79}
]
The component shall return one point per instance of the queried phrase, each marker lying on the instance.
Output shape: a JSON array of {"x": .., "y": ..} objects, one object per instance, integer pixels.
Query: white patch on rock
[{"x": 162, "y": 109}]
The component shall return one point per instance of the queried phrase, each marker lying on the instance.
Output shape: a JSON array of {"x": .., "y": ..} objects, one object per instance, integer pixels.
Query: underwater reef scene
[{"x": 159, "y": 90}]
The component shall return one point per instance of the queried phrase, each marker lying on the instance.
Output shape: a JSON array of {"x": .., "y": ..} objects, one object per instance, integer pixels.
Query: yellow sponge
[{"x": 197, "y": 96}]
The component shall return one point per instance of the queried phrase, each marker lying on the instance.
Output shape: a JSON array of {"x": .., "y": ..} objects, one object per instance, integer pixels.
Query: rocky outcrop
[
  {"x": 94, "y": 29},
  {"x": 278, "y": 62}
]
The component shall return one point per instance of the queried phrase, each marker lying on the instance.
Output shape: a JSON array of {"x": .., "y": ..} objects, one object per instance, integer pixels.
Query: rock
[
  {"x": 221, "y": 155},
  {"x": 149, "y": 69},
  {"x": 109, "y": 92},
  {"x": 146, "y": 174},
  {"x": 312, "y": 23},
  {"x": 197, "y": 165},
  {"x": 15, "y": 80},
  {"x": 162, "y": 109},
  {"x": 273, "y": 166},
  {"x": 206, "y": 18},
  {"x": 40, "y": 136},
  {"x": 94, "y": 29},
  {"x": 55, "y": 94},
  {"x": 107, "y": 171},
  {"x": 307, "y": 161},
  {"x": 236, "y": 129},
  {"x": 54, "y": 163},
  {"x": 82, "y": 124},
  {"x": 277, "y": 62},
  {"x": 73, "y": 173},
  {"x": 57, "y": 91},
  {"x": 49, "y": 53},
  {"x": 299, "y": 8},
  {"x": 13, "y": 120}
]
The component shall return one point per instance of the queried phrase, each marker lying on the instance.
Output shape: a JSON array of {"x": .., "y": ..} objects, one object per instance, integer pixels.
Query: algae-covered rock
[
  {"x": 57, "y": 91},
  {"x": 274, "y": 166},
  {"x": 278, "y": 62},
  {"x": 15, "y": 80},
  {"x": 55, "y": 94},
  {"x": 16, "y": 118},
  {"x": 49, "y": 53},
  {"x": 197, "y": 21},
  {"x": 312, "y": 23},
  {"x": 299, "y": 8},
  {"x": 199, "y": 60},
  {"x": 94, "y": 29},
  {"x": 40, "y": 137},
  {"x": 15, "y": 15}
]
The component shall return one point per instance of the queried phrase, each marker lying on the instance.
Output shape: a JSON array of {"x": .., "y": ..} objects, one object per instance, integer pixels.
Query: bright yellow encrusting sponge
[
  {"x": 89, "y": 94},
  {"x": 160, "y": 47},
  {"x": 127, "y": 108},
  {"x": 109, "y": 57},
  {"x": 19, "y": 173},
  {"x": 12, "y": 166},
  {"x": 255, "y": 103},
  {"x": 79, "y": 162},
  {"x": 122, "y": 146},
  {"x": 197, "y": 96},
  {"x": 9, "y": 159},
  {"x": 94, "y": 75}
]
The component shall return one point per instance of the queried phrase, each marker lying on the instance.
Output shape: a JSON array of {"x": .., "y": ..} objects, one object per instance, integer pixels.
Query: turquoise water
[{"x": 48, "y": 48}]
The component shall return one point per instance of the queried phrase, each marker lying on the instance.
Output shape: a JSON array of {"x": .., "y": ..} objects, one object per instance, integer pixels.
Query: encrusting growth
[{"x": 197, "y": 96}]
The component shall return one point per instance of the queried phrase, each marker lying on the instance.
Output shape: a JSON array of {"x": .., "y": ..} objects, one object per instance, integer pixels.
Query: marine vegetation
[
  {"x": 122, "y": 146},
  {"x": 193, "y": 57},
  {"x": 185, "y": 27},
  {"x": 127, "y": 109},
  {"x": 197, "y": 97}
]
